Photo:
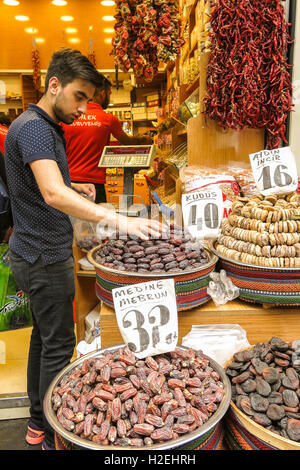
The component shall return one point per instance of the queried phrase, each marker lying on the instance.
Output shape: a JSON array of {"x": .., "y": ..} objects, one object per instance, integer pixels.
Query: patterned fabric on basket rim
[
  {"x": 212, "y": 440},
  {"x": 191, "y": 288},
  {"x": 238, "y": 438},
  {"x": 263, "y": 272}
]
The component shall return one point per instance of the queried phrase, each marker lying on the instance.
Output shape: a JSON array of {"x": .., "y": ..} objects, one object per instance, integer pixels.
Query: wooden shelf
[
  {"x": 192, "y": 87},
  {"x": 86, "y": 273},
  {"x": 260, "y": 324}
]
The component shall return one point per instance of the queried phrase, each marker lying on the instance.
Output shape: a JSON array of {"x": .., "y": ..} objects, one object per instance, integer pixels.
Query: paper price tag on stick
[
  {"x": 275, "y": 171},
  {"x": 147, "y": 316},
  {"x": 203, "y": 212}
]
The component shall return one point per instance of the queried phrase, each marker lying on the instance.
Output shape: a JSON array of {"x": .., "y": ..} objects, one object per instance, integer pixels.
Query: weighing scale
[{"x": 131, "y": 158}]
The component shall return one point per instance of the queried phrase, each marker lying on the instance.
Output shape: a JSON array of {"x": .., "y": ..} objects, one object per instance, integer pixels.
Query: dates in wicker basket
[{"x": 175, "y": 254}]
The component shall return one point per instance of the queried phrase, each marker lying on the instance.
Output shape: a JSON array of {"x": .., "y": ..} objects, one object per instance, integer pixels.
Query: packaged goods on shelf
[{"x": 225, "y": 182}]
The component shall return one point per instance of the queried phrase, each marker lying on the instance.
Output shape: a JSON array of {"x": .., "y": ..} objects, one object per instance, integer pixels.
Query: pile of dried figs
[
  {"x": 266, "y": 385},
  {"x": 117, "y": 399}
]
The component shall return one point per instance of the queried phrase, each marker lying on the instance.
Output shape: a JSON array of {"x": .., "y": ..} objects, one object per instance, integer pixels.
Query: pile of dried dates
[
  {"x": 265, "y": 385},
  {"x": 116, "y": 399},
  {"x": 88, "y": 242},
  {"x": 176, "y": 254}
]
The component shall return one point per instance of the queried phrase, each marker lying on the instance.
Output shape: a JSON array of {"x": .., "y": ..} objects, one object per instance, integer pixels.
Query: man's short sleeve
[
  {"x": 116, "y": 127},
  {"x": 36, "y": 141}
]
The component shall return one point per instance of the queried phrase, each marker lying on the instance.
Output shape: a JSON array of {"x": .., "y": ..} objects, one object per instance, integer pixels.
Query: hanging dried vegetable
[
  {"x": 248, "y": 79},
  {"x": 35, "y": 55},
  {"x": 92, "y": 57},
  {"x": 146, "y": 32}
]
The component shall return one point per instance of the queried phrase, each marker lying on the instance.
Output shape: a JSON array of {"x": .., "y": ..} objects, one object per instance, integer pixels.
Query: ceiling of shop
[{"x": 16, "y": 44}]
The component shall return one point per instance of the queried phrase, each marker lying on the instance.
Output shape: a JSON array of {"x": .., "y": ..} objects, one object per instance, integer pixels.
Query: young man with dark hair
[
  {"x": 87, "y": 137},
  {"x": 42, "y": 198}
]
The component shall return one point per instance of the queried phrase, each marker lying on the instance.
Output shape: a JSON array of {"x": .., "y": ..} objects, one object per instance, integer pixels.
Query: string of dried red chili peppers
[{"x": 248, "y": 80}]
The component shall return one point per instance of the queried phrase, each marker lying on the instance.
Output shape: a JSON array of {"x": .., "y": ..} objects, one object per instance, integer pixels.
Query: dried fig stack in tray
[
  {"x": 262, "y": 231},
  {"x": 111, "y": 398},
  {"x": 266, "y": 386}
]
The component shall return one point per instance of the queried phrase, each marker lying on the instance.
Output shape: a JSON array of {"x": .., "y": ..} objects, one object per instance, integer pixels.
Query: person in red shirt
[
  {"x": 87, "y": 137},
  {"x": 3, "y": 132}
]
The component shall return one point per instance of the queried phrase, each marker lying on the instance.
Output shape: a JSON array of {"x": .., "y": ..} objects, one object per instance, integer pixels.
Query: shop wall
[
  {"x": 10, "y": 83},
  {"x": 295, "y": 116}
]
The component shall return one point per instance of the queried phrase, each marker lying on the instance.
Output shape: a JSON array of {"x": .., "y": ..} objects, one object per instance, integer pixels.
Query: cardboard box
[
  {"x": 152, "y": 103},
  {"x": 139, "y": 105},
  {"x": 138, "y": 111},
  {"x": 152, "y": 97}
]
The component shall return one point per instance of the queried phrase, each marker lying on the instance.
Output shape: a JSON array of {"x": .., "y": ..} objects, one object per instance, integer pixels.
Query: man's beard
[{"x": 60, "y": 115}]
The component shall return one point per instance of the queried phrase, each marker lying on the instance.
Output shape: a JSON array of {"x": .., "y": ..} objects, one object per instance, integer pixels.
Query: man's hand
[
  {"x": 141, "y": 227},
  {"x": 86, "y": 189}
]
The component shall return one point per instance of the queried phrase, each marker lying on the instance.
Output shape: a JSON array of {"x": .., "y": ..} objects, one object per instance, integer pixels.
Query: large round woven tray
[
  {"x": 207, "y": 437},
  {"x": 190, "y": 286},
  {"x": 243, "y": 433},
  {"x": 265, "y": 285}
]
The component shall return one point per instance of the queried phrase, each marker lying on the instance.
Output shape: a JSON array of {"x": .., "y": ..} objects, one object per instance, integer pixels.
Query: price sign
[
  {"x": 203, "y": 212},
  {"x": 275, "y": 171},
  {"x": 147, "y": 316}
]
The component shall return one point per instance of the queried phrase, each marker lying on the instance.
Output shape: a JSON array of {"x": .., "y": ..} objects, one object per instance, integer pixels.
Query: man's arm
[
  {"x": 126, "y": 139},
  {"x": 56, "y": 194}
]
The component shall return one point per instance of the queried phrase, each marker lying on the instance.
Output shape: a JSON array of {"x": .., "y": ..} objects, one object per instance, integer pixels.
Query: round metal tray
[
  {"x": 180, "y": 441},
  {"x": 240, "y": 263},
  {"x": 213, "y": 258}
]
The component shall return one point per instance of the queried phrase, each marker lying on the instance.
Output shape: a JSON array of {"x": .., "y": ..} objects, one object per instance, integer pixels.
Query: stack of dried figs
[
  {"x": 263, "y": 231},
  {"x": 176, "y": 254},
  {"x": 265, "y": 385},
  {"x": 115, "y": 398}
]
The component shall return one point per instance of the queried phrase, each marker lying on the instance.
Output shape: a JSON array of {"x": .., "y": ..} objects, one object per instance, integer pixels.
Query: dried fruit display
[
  {"x": 88, "y": 242},
  {"x": 175, "y": 254},
  {"x": 146, "y": 32},
  {"x": 116, "y": 399},
  {"x": 266, "y": 385},
  {"x": 35, "y": 55},
  {"x": 262, "y": 231},
  {"x": 248, "y": 79}
]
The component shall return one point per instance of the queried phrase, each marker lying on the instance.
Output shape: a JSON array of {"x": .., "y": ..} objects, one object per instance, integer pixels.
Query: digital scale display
[{"x": 133, "y": 156}]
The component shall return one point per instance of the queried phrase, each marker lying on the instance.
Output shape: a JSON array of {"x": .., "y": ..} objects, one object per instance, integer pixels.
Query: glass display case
[{"x": 190, "y": 107}]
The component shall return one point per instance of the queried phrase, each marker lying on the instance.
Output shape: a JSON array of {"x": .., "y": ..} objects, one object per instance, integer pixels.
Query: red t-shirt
[
  {"x": 85, "y": 140},
  {"x": 3, "y": 132}
]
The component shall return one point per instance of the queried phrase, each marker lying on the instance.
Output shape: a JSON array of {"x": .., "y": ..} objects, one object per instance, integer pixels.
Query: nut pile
[
  {"x": 263, "y": 231},
  {"x": 116, "y": 399},
  {"x": 265, "y": 385},
  {"x": 176, "y": 254}
]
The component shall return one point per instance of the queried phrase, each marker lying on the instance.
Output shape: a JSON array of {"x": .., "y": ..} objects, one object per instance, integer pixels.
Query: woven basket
[
  {"x": 190, "y": 286},
  {"x": 273, "y": 286},
  {"x": 243, "y": 433}
]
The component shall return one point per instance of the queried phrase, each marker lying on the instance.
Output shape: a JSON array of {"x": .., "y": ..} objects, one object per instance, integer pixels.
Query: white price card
[
  {"x": 275, "y": 171},
  {"x": 147, "y": 316},
  {"x": 203, "y": 212}
]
